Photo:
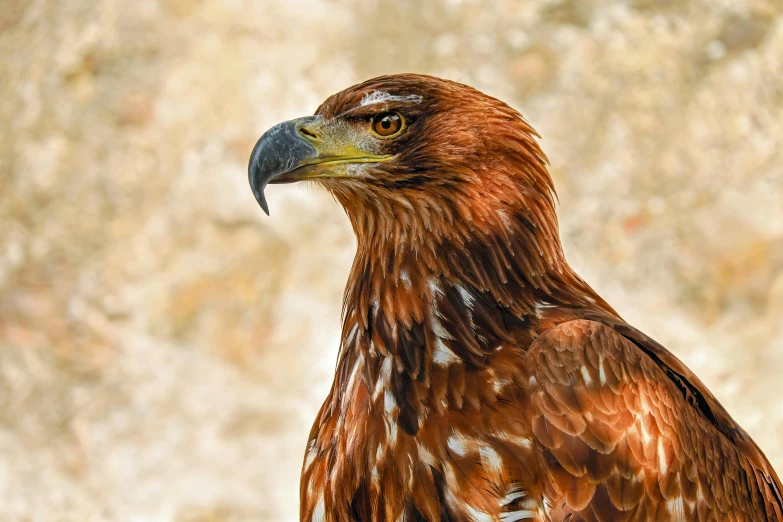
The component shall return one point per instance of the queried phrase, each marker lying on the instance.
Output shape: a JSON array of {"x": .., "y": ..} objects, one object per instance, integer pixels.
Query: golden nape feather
[{"x": 479, "y": 378}]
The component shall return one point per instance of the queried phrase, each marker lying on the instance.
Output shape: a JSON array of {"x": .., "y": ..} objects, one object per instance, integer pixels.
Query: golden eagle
[{"x": 480, "y": 379}]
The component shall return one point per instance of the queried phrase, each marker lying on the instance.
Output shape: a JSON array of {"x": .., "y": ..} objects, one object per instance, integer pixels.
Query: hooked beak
[{"x": 301, "y": 149}]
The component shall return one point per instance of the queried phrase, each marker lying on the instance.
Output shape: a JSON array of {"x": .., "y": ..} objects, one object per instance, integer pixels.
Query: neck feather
[{"x": 416, "y": 305}]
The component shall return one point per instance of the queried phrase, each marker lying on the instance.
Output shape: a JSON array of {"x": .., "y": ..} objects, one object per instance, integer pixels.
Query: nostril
[{"x": 307, "y": 133}]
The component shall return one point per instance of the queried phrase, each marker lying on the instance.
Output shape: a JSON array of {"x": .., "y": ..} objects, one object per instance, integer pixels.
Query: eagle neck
[{"x": 414, "y": 309}]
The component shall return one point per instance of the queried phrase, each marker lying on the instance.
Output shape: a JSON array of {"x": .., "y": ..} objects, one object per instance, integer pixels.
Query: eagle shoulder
[{"x": 618, "y": 439}]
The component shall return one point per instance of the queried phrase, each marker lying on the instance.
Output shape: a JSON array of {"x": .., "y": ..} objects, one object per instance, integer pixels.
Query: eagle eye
[{"x": 387, "y": 124}]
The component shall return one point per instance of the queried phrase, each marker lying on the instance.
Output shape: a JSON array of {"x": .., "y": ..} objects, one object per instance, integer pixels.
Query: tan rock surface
[{"x": 164, "y": 346}]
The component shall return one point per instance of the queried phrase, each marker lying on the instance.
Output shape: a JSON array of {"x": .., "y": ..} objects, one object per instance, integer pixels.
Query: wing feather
[{"x": 619, "y": 440}]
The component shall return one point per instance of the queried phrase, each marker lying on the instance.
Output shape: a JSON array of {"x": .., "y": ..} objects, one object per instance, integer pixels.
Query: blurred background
[{"x": 164, "y": 346}]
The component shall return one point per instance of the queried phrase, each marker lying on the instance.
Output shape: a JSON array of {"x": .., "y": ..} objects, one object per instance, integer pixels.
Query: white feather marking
[
  {"x": 312, "y": 451},
  {"x": 476, "y": 515},
  {"x": 319, "y": 513},
  {"x": 532, "y": 508},
  {"x": 586, "y": 375},
  {"x": 385, "y": 97},
  {"x": 511, "y": 497},
  {"x": 438, "y": 328},
  {"x": 354, "y": 373},
  {"x": 435, "y": 288},
  {"x": 677, "y": 509},
  {"x": 490, "y": 459},
  {"x": 352, "y": 333},
  {"x": 443, "y": 356},
  {"x": 425, "y": 455},
  {"x": 457, "y": 445},
  {"x": 392, "y": 433},
  {"x": 517, "y": 440},
  {"x": 406, "y": 278},
  {"x": 514, "y": 516},
  {"x": 388, "y": 403},
  {"x": 383, "y": 377},
  {"x": 466, "y": 297},
  {"x": 541, "y": 306},
  {"x": 547, "y": 504},
  {"x": 390, "y": 408},
  {"x": 601, "y": 372}
]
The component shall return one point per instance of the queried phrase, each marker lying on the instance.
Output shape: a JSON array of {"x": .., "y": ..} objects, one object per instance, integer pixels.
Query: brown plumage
[{"x": 479, "y": 378}]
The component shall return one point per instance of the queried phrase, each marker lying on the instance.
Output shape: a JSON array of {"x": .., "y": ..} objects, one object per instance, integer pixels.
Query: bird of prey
[{"x": 479, "y": 378}]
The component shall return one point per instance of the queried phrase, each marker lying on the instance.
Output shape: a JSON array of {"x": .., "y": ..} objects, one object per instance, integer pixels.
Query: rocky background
[{"x": 164, "y": 346}]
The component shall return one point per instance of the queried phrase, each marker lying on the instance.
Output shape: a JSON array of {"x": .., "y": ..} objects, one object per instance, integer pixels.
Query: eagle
[{"x": 479, "y": 378}]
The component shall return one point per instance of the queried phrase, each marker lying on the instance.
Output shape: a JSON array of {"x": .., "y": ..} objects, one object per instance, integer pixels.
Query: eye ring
[{"x": 387, "y": 124}]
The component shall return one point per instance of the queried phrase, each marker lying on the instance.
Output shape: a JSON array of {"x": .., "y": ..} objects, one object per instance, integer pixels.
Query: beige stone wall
[{"x": 164, "y": 346}]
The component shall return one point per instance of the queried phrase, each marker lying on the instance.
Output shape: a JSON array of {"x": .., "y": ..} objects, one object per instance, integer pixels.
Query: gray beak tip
[
  {"x": 257, "y": 183},
  {"x": 258, "y": 193}
]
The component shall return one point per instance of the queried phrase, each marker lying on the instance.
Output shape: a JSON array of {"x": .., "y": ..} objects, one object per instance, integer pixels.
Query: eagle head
[{"x": 415, "y": 150}]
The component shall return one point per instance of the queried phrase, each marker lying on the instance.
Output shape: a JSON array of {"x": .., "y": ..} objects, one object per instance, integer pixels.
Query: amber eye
[{"x": 387, "y": 124}]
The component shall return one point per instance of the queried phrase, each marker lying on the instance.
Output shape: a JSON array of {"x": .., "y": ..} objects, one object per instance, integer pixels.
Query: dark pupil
[{"x": 386, "y": 122}]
